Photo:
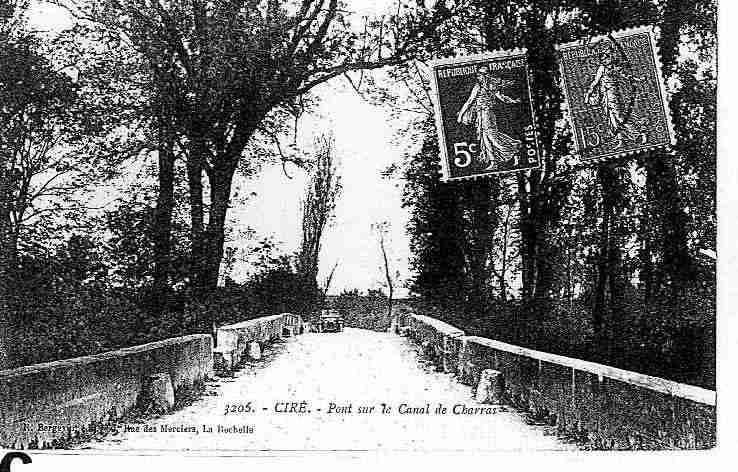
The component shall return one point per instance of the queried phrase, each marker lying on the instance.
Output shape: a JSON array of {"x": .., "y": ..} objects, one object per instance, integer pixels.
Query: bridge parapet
[
  {"x": 607, "y": 407},
  {"x": 440, "y": 340},
  {"x": 233, "y": 340},
  {"x": 42, "y": 405}
]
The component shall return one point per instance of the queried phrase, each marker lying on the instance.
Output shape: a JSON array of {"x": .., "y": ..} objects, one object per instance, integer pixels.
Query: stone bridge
[{"x": 423, "y": 385}]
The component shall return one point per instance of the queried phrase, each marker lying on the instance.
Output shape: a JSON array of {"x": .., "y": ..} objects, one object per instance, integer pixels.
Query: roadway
[{"x": 354, "y": 390}]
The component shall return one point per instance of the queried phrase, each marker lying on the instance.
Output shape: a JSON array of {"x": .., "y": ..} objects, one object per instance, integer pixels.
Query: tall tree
[
  {"x": 435, "y": 227},
  {"x": 609, "y": 283},
  {"x": 318, "y": 207},
  {"x": 666, "y": 257},
  {"x": 11, "y": 20},
  {"x": 542, "y": 191},
  {"x": 47, "y": 128}
]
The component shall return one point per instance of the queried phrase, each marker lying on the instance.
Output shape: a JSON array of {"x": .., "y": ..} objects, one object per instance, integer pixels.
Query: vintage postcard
[
  {"x": 616, "y": 96},
  {"x": 484, "y": 115},
  {"x": 223, "y": 229}
]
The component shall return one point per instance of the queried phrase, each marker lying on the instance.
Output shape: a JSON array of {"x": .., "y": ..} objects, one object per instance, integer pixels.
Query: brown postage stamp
[{"x": 615, "y": 94}]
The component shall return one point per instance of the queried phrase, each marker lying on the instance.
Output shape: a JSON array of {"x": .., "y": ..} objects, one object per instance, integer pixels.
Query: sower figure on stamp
[
  {"x": 606, "y": 83},
  {"x": 495, "y": 147}
]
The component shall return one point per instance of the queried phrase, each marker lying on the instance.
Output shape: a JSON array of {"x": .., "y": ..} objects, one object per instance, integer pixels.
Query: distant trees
[
  {"x": 365, "y": 311},
  {"x": 318, "y": 208}
]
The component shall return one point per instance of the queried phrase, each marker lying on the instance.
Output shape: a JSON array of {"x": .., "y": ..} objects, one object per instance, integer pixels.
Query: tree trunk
[
  {"x": 8, "y": 261},
  {"x": 505, "y": 244},
  {"x": 669, "y": 237},
  {"x": 569, "y": 286},
  {"x": 483, "y": 198},
  {"x": 387, "y": 274},
  {"x": 539, "y": 198},
  {"x": 544, "y": 270},
  {"x": 646, "y": 275},
  {"x": 163, "y": 217},
  {"x": 671, "y": 225},
  {"x": 197, "y": 218},
  {"x": 527, "y": 231},
  {"x": 598, "y": 305},
  {"x": 609, "y": 285},
  {"x": 221, "y": 180}
]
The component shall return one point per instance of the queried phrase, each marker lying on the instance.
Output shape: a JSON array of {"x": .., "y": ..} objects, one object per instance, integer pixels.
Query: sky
[
  {"x": 363, "y": 137},
  {"x": 364, "y": 146}
]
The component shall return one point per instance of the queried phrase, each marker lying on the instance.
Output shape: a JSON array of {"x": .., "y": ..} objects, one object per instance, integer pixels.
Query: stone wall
[
  {"x": 440, "y": 341},
  {"x": 602, "y": 406},
  {"x": 232, "y": 341},
  {"x": 43, "y": 404}
]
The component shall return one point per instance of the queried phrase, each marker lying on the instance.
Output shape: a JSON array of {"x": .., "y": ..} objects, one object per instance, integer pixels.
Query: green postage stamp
[{"x": 484, "y": 115}]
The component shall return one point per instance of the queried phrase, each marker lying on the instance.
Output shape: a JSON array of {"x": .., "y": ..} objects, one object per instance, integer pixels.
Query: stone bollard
[
  {"x": 394, "y": 325},
  {"x": 161, "y": 393},
  {"x": 449, "y": 356},
  {"x": 465, "y": 368},
  {"x": 428, "y": 349},
  {"x": 491, "y": 387},
  {"x": 223, "y": 359},
  {"x": 254, "y": 351}
]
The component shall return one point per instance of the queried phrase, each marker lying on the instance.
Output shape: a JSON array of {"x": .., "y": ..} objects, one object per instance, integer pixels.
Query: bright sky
[
  {"x": 363, "y": 136},
  {"x": 363, "y": 145}
]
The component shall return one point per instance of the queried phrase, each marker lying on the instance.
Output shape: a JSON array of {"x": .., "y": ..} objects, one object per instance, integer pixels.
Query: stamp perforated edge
[
  {"x": 470, "y": 59},
  {"x": 656, "y": 55}
]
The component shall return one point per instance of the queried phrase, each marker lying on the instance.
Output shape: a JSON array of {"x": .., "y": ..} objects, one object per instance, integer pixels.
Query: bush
[{"x": 362, "y": 311}]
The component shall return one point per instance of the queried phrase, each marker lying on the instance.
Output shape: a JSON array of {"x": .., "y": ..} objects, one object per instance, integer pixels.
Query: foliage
[
  {"x": 223, "y": 71},
  {"x": 362, "y": 311},
  {"x": 70, "y": 302},
  {"x": 602, "y": 261}
]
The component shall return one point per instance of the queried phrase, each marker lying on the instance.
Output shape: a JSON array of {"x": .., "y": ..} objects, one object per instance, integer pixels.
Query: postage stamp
[
  {"x": 484, "y": 115},
  {"x": 615, "y": 94}
]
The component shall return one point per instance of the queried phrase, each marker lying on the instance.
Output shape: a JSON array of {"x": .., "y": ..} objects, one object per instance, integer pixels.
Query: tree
[
  {"x": 11, "y": 15},
  {"x": 47, "y": 128},
  {"x": 666, "y": 252},
  {"x": 436, "y": 228},
  {"x": 235, "y": 64},
  {"x": 318, "y": 208},
  {"x": 382, "y": 231},
  {"x": 504, "y": 256},
  {"x": 38, "y": 121}
]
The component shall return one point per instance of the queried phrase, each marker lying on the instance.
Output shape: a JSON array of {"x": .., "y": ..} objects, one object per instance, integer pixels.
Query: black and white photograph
[{"x": 295, "y": 227}]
